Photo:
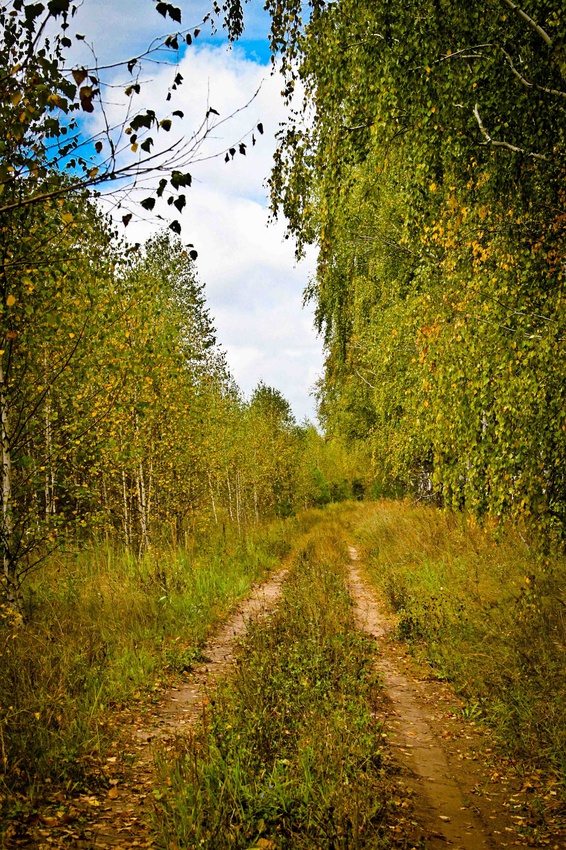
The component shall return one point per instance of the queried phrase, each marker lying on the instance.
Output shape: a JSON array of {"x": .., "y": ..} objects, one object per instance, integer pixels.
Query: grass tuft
[
  {"x": 290, "y": 755},
  {"x": 487, "y": 614}
]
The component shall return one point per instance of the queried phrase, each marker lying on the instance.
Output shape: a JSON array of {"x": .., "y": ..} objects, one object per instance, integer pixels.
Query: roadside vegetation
[
  {"x": 486, "y": 613},
  {"x": 104, "y": 629},
  {"x": 291, "y": 750}
]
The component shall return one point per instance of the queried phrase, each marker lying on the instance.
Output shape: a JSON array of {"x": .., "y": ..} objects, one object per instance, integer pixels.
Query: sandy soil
[
  {"x": 119, "y": 817},
  {"x": 463, "y": 797}
]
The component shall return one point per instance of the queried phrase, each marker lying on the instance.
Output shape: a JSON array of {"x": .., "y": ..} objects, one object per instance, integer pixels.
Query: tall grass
[
  {"x": 486, "y": 612},
  {"x": 290, "y": 755},
  {"x": 103, "y": 628}
]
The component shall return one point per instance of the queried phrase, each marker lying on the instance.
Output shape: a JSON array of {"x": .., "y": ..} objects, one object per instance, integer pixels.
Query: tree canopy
[{"x": 427, "y": 161}]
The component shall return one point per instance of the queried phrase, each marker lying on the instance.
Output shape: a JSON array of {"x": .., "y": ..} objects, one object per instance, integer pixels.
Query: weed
[
  {"x": 485, "y": 612},
  {"x": 290, "y": 754}
]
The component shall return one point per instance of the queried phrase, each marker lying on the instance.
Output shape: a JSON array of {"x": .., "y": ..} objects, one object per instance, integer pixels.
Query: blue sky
[{"x": 254, "y": 288}]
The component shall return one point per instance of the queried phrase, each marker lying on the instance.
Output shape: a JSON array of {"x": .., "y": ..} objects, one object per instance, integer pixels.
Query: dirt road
[
  {"x": 459, "y": 800},
  {"x": 119, "y": 818}
]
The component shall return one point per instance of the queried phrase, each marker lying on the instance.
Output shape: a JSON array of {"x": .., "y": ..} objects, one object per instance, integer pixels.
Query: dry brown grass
[{"x": 487, "y": 612}]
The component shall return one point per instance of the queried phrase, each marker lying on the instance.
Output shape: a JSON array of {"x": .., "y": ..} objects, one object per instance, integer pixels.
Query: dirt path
[
  {"x": 120, "y": 819},
  {"x": 457, "y": 798},
  {"x": 184, "y": 705}
]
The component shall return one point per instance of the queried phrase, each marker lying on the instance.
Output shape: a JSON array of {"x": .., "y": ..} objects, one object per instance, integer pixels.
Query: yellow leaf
[
  {"x": 67, "y": 218},
  {"x": 10, "y": 300},
  {"x": 55, "y": 99}
]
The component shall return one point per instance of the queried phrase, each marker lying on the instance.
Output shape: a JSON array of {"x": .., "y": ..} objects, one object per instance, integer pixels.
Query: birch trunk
[
  {"x": 229, "y": 497},
  {"x": 127, "y": 527},
  {"x": 238, "y": 503},
  {"x": 10, "y": 575},
  {"x": 142, "y": 506},
  {"x": 212, "y": 498}
]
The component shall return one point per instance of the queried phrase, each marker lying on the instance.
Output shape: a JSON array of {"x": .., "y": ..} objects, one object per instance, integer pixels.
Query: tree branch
[
  {"x": 525, "y": 82},
  {"x": 544, "y": 35},
  {"x": 507, "y": 145}
]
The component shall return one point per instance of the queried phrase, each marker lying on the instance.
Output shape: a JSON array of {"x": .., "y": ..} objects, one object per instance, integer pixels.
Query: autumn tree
[{"x": 427, "y": 163}]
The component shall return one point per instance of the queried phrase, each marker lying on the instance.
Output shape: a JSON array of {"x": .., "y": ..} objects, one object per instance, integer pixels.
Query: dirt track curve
[
  {"x": 457, "y": 799},
  {"x": 122, "y": 821}
]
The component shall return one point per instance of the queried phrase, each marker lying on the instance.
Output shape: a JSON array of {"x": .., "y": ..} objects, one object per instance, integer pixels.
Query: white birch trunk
[
  {"x": 142, "y": 506},
  {"x": 127, "y": 529},
  {"x": 238, "y": 503},
  {"x": 212, "y": 498},
  {"x": 229, "y": 497},
  {"x": 8, "y": 566}
]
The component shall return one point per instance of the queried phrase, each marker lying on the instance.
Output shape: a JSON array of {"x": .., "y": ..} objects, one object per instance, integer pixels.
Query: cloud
[
  {"x": 121, "y": 30},
  {"x": 254, "y": 287},
  {"x": 255, "y": 290}
]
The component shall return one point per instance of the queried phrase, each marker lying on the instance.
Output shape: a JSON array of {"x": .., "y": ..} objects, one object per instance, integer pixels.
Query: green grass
[
  {"x": 104, "y": 629},
  {"x": 485, "y": 612},
  {"x": 290, "y": 755}
]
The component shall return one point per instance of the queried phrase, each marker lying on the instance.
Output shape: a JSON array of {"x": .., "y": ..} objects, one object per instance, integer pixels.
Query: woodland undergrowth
[
  {"x": 290, "y": 752},
  {"x": 486, "y": 612},
  {"x": 103, "y": 629}
]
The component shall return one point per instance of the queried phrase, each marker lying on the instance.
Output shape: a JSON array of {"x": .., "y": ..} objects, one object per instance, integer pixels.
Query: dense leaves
[
  {"x": 119, "y": 416},
  {"x": 428, "y": 164}
]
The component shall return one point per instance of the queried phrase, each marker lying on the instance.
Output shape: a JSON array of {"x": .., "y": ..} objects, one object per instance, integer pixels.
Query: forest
[{"x": 145, "y": 498}]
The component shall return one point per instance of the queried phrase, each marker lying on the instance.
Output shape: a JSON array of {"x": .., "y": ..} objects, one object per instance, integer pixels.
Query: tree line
[
  {"x": 119, "y": 419},
  {"x": 427, "y": 161}
]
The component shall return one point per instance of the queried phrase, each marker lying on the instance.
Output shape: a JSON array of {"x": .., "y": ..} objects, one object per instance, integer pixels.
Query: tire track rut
[
  {"x": 122, "y": 820},
  {"x": 441, "y": 785}
]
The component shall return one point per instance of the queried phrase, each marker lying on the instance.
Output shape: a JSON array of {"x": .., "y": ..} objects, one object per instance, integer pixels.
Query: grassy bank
[
  {"x": 486, "y": 613},
  {"x": 290, "y": 755},
  {"x": 103, "y": 629}
]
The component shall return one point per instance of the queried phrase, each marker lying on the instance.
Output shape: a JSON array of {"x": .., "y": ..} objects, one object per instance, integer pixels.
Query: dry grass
[
  {"x": 102, "y": 629},
  {"x": 486, "y": 612}
]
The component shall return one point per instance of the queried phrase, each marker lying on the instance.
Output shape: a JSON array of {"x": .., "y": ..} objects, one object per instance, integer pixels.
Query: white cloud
[
  {"x": 120, "y": 29},
  {"x": 254, "y": 288},
  {"x": 255, "y": 292}
]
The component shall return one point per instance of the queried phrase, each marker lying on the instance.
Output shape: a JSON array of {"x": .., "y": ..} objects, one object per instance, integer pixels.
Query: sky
[{"x": 254, "y": 286}]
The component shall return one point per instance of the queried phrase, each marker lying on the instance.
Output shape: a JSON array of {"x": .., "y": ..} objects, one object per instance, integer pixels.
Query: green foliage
[
  {"x": 484, "y": 613},
  {"x": 290, "y": 754},
  {"x": 428, "y": 165},
  {"x": 104, "y": 629}
]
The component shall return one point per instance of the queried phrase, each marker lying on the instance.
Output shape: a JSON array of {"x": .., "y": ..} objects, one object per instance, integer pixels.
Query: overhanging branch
[
  {"x": 507, "y": 145},
  {"x": 532, "y": 23}
]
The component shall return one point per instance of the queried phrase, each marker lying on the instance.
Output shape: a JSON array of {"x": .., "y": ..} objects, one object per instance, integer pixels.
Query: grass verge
[
  {"x": 290, "y": 753},
  {"x": 105, "y": 629},
  {"x": 486, "y": 613}
]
